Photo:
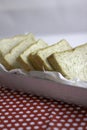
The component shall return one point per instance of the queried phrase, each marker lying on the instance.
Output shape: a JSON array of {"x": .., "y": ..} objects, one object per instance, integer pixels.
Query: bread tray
[{"x": 47, "y": 84}]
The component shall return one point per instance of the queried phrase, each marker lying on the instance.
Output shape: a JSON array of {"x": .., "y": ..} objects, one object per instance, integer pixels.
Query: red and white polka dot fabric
[{"x": 21, "y": 111}]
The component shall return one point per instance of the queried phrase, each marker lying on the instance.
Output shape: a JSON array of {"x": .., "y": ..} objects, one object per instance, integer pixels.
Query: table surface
[{"x": 21, "y": 111}]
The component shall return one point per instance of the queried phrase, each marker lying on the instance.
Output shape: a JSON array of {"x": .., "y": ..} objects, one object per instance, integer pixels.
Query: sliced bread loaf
[
  {"x": 71, "y": 64},
  {"x": 39, "y": 59},
  {"x": 23, "y": 59},
  {"x": 8, "y": 43},
  {"x": 11, "y": 57}
]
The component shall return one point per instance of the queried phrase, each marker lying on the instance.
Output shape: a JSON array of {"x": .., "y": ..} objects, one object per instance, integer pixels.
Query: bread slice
[
  {"x": 11, "y": 57},
  {"x": 8, "y": 43},
  {"x": 71, "y": 64},
  {"x": 39, "y": 59},
  {"x": 23, "y": 59}
]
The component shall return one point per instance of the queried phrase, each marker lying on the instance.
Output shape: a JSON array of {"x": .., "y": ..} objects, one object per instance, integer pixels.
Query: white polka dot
[
  {"x": 38, "y": 107},
  {"x": 43, "y": 117},
  {"x": 31, "y": 115},
  {"x": 51, "y": 116},
  {"x": 67, "y": 124},
  {"x": 85, "y": 119},
  {"x": 14, "y": 99},
  {"x": 35, "y": 111},
  {"x": 68, "y": 112},
  {"x": 64, "y": 129},
  {"x": 35, "y": 103},
  {"x": 28, "y": 128},
  {"x": 28, "y": 119},
  {"x": 70, "y": 120},
  {"x": 40, "y": 122},
  {"x": 46, "y": 114},
  {"x": 51, "y": 124},
  {"x": 83, "y": 111},
  {"x": 10, "y": 109},
  {"x": 17, "y": 124},
  {"x": 28, "y": 112},
  {"x": 17, "y": 109},
  {"x": 13, "y": 120},
  {"x": 80, "y": 115},
  {"x": 54, "y": 120},
  {"x": 18, "y": 102},
  {"x": 54, "y": 113},
  {"x": 1, "y": 106},
  {"x": 65, "y": 116},
  {"x": 24, "y": 108},
  {"x": 2, "y": 117},
  {"x": 31, "y": 108},
  {"x": 36, "y": 127},
  {"x": 83, "y": 123},
  {"x": 5, "y": 129},
  {"x": 52, "y": 105},
  {"x": 3, "y": 110},
  {"x": 6, "y": 113},
  {"x": 27, "y": 104},
  {"x": 62, "y": 120},
  {"x": 77, "y": 119},
  {"x": 80, "y": 128},
  {"x": 5, "y": 121},
  {"x": 21, "y": 112},
  {"x": 58, "y": 117},
  {"x": 24, "y": 116},
  {"x": 13, "y": 112},
  {"x": 21, "y": 105},
  {"x": 35, "y": 118},
  {"x": 32, "y": 123},
  {"x": 60, "y": 113},
  {"x": 4, "y": 103},
  {"x": 39, "y": 114},
  {"x": 75, "y": 124},
  {"x": 14, "y": 106},
  {"x": 45, "y": 106},
  {"x": 17, "y": 116},
  {"x": 59, "y": 106},
  {"x": 31, "y": 100},
  {"x": 10, "y": 102},
  {"x": 24, "y": 124},
  {"x": 56, "y": 109},
  {"x": 9, "y": 125},
  {"x": 41, "y": 103},
  {"x": 20, "y": 128},
  {"x": 44, "y": 126},
  {"x": 73, "y": 116},
  {"x": 12, "y": 128},
  {"x": 59, "y": 124},
  {"x": 9, "y": 117},
  {"x": 20, "y": 120},
  {"x": 55, "y": 128},
  {"x": 24, "y": 101}
]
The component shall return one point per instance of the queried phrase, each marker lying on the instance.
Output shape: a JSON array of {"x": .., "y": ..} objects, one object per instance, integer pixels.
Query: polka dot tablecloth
[{"x": 21, "y": 111}]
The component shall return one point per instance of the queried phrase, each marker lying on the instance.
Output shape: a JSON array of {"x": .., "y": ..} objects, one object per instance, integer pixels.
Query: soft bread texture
[
  {"x": 72, "y": 64},
  {"x": 11, "y": 57},
  {"x": 8, "y": 43},
  {"x": 39, "y": 59},
  {"x": 24, "y": 60}
]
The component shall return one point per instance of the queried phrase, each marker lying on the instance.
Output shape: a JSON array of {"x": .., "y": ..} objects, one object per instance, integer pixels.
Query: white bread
[
  {"x": 71, "y": 64},
  {"x": 39, "y": 59},
  {"x": 24, "y": 60},
  {"x": 7, "y": 44},
  {"x": 11, "y": 57}
]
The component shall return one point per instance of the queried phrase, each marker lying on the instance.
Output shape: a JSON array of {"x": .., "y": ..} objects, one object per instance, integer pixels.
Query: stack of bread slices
[{"x": 27, "y": 53}]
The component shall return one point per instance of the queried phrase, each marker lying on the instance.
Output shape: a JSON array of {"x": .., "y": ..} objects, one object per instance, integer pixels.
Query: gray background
[{"x": 43, "y": 17}]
